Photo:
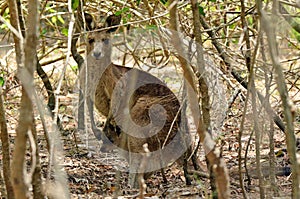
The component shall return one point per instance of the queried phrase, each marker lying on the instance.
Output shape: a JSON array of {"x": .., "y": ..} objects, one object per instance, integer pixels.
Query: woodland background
[{"x": 248, "y": 83}]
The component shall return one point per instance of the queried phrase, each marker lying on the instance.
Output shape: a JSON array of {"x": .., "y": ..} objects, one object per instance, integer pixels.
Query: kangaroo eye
[
  {"x": 91, "y": 41},
  {"x": 105, "y": 41}
]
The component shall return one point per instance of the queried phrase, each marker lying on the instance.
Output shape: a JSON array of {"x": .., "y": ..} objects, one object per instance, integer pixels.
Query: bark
[
  {"x": 5, "y": 151},
  {"x": 50, "y": 92},
  {"x": 18, "y": 161},
  {"x": 26, "y": 77},
  {"x": 37, "y": 177},
  {"x": 18, "y": 182},
  {"x": 80, "y": 61},
  {"x": 15, "y": 23}
]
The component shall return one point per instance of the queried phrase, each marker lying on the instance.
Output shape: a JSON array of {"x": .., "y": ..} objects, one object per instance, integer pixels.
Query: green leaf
[
  {"x": 65, "y": 31},
  {"x": 75, "y": 4},
  {"x": 1, "y": 81},
  {"x": 119, "y": 12},
  {"x": 60, "y": 19},
  {"x": 235, "y": 41},
  {"x": 74, "y": 68},
  {"x": 212, "y": 0},
  {"x": 3, "y": 26},
  {"x": 54, "y": 20},
  {"x": 296, "y": 35},
  {"x": 138, "y": 2},
  {"x": 43, "y": 32},
  {"x": 52, "y": 10},
  {"x": 164, "y": 2},
  {"x": 125, "y": 9},
  {"x": 124, "y": 20},
  {"x": 201, "y": 10},
  {"x": 151, "y": 27}
]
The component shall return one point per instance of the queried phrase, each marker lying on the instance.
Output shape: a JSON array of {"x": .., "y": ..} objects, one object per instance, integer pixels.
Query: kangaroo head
[{"x": 99, "y": 45}]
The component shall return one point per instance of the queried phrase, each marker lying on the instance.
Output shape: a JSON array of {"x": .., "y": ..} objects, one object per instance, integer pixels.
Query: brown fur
[{"x": 148, "y": 105}]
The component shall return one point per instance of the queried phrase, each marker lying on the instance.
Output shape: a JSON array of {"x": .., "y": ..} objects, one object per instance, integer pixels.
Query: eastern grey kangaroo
[{"x": 140, "y": 109}]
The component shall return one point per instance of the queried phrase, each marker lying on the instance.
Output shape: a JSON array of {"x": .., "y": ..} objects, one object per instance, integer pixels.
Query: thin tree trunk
[
  {"x": 5, "y": 151},
  {"x": 17, "y": 167},
  {"x": 26, "y": 110},
  {"x": 18, "y": 161},
  {"x": 240, "y": 134},
  {"x": 37, "y": 176},
  {"x": 203, "y": 88}
]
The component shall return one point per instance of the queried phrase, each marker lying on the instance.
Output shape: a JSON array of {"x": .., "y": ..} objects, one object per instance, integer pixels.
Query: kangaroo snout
[{"x": 97, "y": 54}]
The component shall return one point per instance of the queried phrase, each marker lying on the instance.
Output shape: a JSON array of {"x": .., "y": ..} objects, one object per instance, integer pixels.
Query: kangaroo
[{"x": 140, "y": 109}]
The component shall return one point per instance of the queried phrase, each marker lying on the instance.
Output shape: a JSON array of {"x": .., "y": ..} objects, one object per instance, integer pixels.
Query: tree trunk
[{"x": 5, "y": 150}]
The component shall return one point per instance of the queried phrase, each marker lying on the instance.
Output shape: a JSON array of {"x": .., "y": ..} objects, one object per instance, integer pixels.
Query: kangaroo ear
[
  {"x": 112, "y": 20},
  {"x": 89, "y": 20}
]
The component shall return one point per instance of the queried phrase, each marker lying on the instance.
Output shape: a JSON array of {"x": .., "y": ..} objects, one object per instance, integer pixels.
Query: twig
[{"x": 143, "y": 165}]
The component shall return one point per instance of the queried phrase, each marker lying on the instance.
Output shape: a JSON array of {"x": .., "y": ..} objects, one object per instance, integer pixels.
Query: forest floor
[{"x": 94, "y": 175}]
